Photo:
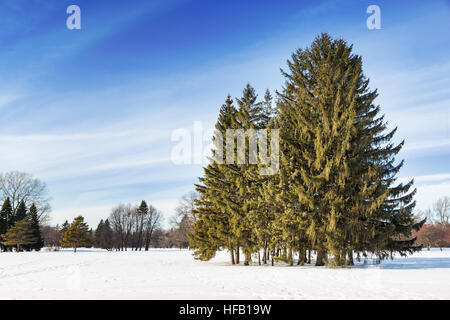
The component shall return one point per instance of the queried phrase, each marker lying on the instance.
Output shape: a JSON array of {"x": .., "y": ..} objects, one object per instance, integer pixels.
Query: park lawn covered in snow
[{"x": 174, "y": 274}]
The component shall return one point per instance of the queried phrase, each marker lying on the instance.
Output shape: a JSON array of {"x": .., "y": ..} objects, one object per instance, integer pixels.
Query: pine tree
[
  {"x": 19, "y": 235},
  {"x": 107, "y": 236},
  {"x": 65, "y": 226},
  {"x": 104, "y": 235},
  {"x": 34, "y": 223},
  {"x": 98, "y": 234},
  {"x": 7, "y": 215},
  {"x": 142, "y": 213},
  {"x": 5, "y": 218},
  {"x": 77, "y": 235},
  {"x": 21, "y": 212}
]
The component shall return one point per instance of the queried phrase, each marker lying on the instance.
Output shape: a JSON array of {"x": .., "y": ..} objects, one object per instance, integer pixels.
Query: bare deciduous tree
[
  {"x": 442, "y": 210},
  {"x": 21, "y": 186},
  {"x": 183, "y": 219},
  {"x": 184, "y": 210},
  {"x": 122, "y": 220},
  {"x": 151, "y": 223}
]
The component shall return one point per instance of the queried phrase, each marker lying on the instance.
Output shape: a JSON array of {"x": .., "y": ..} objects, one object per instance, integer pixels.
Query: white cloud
[{"x": 429, "y": 193}]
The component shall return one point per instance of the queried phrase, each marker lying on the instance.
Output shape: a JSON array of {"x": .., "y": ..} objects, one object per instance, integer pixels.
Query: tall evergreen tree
[
  {"x": 6, "y": 214},
  {"x": 33, "y": 217},
  {"x": 21, "y": 212},
  {"x": 228, "y": 189},
  {"x": 104, "y": 235},
  {"x": 342, "y": 161},
  {"x": 212, "y": 229},
  {"x": 5, "y": 219}
]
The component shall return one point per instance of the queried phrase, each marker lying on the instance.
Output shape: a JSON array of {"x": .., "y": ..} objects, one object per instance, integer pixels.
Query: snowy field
[{"x": 174, "y": 274}]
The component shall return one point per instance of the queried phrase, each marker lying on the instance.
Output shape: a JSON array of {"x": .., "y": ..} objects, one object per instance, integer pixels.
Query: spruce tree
[
  {"x": 21, "y": 212},
  {"x": 227, "y": 208},
  {"x": 34, "y": 223},
  {"x": 5, "y": 219},
  {"x": 107, "y": 236},
  {"x": 7, "y": 215},
  {"x": 98, "y": 234},
  {"x": 142, "y": 213},
  {"x": 212, "y": 229},
  {"x": 103, "y": 237},
  {"x": 342, "y": 165}
]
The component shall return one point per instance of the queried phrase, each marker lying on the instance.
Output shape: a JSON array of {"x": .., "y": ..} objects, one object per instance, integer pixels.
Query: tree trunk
[
  {"x": 320, "y": 257},
  {"x": 350, "y": 257},
  {"x": 75, "y": 249},
  {"x": 232, "y": 256},
  {"x": 264, "y": 254},
  {"x": 309, "y": 256},
  {"x": 247, "y": 258},
  {"x": 237, "y": 255},
  {"x": 290, "y": 257}
]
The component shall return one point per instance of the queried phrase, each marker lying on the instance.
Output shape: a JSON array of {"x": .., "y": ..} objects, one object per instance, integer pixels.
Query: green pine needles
[{"x": 335, "y": 194}]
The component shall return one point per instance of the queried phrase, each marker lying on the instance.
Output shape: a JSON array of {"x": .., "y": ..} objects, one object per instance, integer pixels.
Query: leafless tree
[
  {"x": 51, "y": 236},
  {"x": 122, "y": 219},
  {"x": 151, "y": 223},
  {"x": 21, "y": 186},
  {"x": 184, "y": 210},
  {"x": 442, "y": 210},
  {"x": 140, "y": 217},
  {"x": 183, "y": 219}
]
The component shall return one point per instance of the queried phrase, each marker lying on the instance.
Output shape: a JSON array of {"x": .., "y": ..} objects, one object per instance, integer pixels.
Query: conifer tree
[
  {"x": 34, "y": 224},
  {"x": 77, "y": 235},
  {"x": 65, "y": 226},
  {"x": 5, "y": 219},
  {"x": 342, "y": 161},
  {"x": 228, "y": 190},
  {"x": 335, "y": 191},
  {"x": 142, "y": 213},
  {"x": 21, "y": 212},
  {"x": 6, "y": 214},
  {"x": 19, "y": 235},
  {"x": 104, "y": 235},
  {"x": 212, "y": 228}
]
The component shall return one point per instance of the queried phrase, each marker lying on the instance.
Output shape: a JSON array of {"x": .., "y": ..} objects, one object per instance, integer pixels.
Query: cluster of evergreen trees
[
  {"x": 335, "y": 194},
  {"x": 19, "y": 228}
]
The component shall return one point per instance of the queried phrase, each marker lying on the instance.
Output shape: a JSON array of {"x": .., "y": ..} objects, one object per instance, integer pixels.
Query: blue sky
[{"x": 91, "y": 111}]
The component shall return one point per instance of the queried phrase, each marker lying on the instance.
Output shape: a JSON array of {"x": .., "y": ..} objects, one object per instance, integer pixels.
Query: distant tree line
[
  {"x": 436, "y": 232},
  {"x": 128, "y": 227}
]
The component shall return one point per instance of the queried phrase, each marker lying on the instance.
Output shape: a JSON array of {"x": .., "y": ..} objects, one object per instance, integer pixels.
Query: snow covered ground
[{"x": 174, "y": 274}]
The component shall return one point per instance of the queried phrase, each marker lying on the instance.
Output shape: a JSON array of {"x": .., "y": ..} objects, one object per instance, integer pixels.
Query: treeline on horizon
[
  {"x": 335, "y": 194},
  {"x": 128, "y": 227}
]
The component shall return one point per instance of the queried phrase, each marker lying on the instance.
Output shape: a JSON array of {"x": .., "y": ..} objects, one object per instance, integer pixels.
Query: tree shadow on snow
[{"x": 409, "y": 263}]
